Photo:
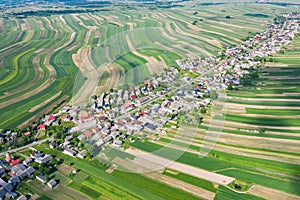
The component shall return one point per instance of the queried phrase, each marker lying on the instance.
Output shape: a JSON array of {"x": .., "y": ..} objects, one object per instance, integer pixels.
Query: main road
[{"x": 24, "y": 147}]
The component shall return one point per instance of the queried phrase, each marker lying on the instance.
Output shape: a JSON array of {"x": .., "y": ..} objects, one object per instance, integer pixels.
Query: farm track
[{"x": 193, "y": 171}]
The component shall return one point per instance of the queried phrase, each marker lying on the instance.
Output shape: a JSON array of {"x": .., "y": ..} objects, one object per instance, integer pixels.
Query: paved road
[{"x": 24, "y": 147}]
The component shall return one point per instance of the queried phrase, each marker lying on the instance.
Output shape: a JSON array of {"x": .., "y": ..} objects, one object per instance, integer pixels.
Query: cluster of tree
[{"x": 248, "y": 79}]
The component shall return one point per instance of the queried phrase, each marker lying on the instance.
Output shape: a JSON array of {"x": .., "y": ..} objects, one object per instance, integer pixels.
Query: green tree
[
  {"x": 230, "y": 87},
  {"x": 203, "y": 110}
]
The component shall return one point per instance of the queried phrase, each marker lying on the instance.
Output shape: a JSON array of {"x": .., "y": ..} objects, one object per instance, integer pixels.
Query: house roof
[
  {"x": 51, "y": 117},
  {"x": 8, "y": 187},
  {"x": 88, "y": 134},
  {"x": 2, "y": 193},
  {"x": 40, "y": 177},
  {"x": 30, "y": 170},
  {"x": 150, "y": 126},
  {"x": 22, "y": 197},
  {"x": 41, "y": 126},
  {"x": 15, "y": 162},
  {"x": 13, "y": 180},
  {"x": 10, "y": 195},
  {"x": 52, "y": 183}
]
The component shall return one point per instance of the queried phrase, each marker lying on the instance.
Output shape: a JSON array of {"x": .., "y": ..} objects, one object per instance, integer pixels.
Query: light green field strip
[
  {"x": 29, "y": 34},
  {"x": 15, "y": 69}
]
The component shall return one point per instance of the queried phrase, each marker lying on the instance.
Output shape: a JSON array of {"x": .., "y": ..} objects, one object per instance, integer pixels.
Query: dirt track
[{"x": 193, "y": 171}]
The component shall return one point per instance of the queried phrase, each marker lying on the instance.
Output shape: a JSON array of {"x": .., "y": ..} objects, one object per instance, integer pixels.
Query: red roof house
[
  {"x": 27, "y": 133},
  {"x": 41, "y": 127},
  {"x": 15, "y": 162}
]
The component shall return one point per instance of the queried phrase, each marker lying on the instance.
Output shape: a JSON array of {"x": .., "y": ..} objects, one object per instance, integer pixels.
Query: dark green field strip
[
  {"x": 154, "y": 187},
  {"x": 222, "y": 161},
  {"x": 264, "y": 103},
  {"x": 135, "y": 185},
  {"x": 129, "y": 61},
  {"x": 191, "y": 180},
  {"x": 227, "y": 194},
  {"x": 96, "y": 189},
  {"x": 261, "y": 121},
  {"x": 246, "y": 94},
  {"x": 272, "y": 111},
  {"x": 291, "y": 73}
]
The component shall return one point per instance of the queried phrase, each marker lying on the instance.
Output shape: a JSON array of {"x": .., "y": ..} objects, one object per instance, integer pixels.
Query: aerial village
[{"x": 149, "y": 107}]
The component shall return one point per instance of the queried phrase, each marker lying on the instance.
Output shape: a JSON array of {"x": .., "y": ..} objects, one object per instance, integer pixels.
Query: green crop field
[
  {"x": 45, "y": 58},
  {"x": 36, "y": 52}
]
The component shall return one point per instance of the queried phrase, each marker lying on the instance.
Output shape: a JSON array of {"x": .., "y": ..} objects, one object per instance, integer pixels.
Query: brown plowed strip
[
  {"x": 48, "y": 22},
  {"x": 87, "y": 37},
  {"x": 40, "y": 24},
  {"x": 132, "y": 25},
  {"x": 213, "y": 41},
  {"x": 19, "y": 35},
  {"x": 80, "y": 22},
  {"x": 89, "y": 70},
  {"x": 111, "y": 19},
  {"x": 25, "y": 26},
  {"x": 271, "y": 194}
]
